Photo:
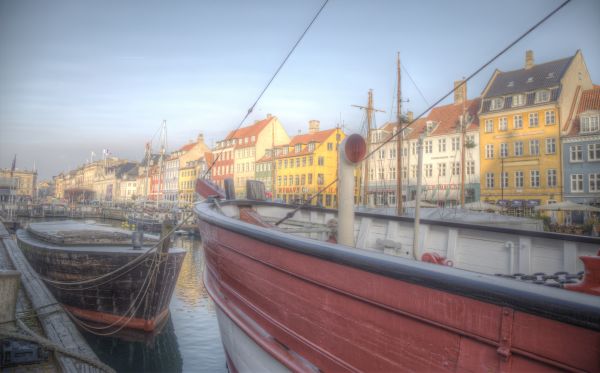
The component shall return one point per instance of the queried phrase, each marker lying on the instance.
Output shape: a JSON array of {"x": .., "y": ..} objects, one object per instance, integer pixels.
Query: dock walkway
[{"x": 72, "y": 353}]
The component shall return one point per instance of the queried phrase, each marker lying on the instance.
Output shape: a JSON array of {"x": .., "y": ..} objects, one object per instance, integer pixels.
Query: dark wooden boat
[
  {"x": 289, "y": 301},
  {"x": 74, "y": 259}
]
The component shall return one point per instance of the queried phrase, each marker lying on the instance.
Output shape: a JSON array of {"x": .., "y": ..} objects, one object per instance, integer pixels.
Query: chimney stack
[
  {"x": 460, "y": 94},
  {"x": 269, "y": 115},
  {"x": 313, "y": 126},
  {"x": 200, "y": 137},
  {"x": 529, "y": 59},
  {"x": 410, "y": 116}
]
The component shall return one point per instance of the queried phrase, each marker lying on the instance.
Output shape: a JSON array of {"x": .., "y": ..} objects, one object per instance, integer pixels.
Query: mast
[
  {"x": 273, "y": 163},
  {"x": 463, "y": 128},
  {"x": 418, "y": 199},
  {"x": 399, "y": 206},
  {"x": 369, "y": 108}
]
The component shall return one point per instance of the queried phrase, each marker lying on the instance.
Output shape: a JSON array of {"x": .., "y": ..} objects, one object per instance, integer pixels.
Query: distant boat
[
  {"x": 289, "y": 297},
  {"x": 74, "y": 259}
]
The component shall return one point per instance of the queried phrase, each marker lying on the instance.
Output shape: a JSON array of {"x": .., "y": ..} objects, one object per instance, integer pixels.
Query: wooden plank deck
[{"x": 56, "y": 324}]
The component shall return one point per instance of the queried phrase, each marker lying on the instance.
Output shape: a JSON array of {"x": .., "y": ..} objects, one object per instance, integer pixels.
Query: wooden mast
[
  {"x": 463, "y": 129},
  {"x": 369, "y": 108},
  {"x": 399, "y": 207}
]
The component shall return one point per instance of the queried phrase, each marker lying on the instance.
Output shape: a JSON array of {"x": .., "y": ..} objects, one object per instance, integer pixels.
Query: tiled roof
[
  {"x": 447, "y": 118},
  {"x": 187, "y": 147},
  {"x": 252, "y": 130},
  {"x": 312, "y": 137},
  {"x": 545, "y": 75},
  {"x": 590, "y": 100},
  {"x": 208, "y": 158}
]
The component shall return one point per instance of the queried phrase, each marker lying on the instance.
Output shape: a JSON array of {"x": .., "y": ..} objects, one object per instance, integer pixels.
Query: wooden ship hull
[
  {"x": 292, "y": 302},
  {"x": 135, "y": 297}
]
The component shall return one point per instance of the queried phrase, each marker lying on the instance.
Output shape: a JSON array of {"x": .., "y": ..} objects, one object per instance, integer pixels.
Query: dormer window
[
  {"x": 542, "y": 96},
  {"x": 245, "y": 140},
  {"x": 518, "y": 100},
  {"x": 285, "y": 151},
  {"x": 253, "y": 139},
  {"x": 590, "y": 123},
  {"x": 530, "y": 79},
  {"x": 550, "y": 75},
  {"x": 298, "y": 148},
  {"x": 511, "y": 84},
  {"x": 497, "y": 103},
  {"x": 430, "y": 127},
  {"x": 311, "y": 146}
]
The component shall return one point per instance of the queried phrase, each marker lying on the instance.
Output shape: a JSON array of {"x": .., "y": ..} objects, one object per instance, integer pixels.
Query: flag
[{"x": 12, "y": 168}]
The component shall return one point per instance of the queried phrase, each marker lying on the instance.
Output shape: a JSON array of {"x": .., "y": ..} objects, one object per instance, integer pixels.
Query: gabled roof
[
  {"x": 252, "y": 130},
  {"x": 545, "y": 75},
  {"x": 590, "y": 100},
  {"x": 312, "y": 137},
  {"x": 447, "y": 117}
]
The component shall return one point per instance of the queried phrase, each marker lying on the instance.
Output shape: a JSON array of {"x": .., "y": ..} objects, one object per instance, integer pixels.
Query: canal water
[{"x": 189, "y": 341}]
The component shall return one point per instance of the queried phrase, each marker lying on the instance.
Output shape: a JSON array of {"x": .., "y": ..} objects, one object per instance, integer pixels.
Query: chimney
[
  {"x": 313, "y": 126},
  {"x": 529, "y": 59},
  {"x": 269, "y": 115},
  {"x": 410, "y": 116},
  {"x": 200, "y": 137},
  {"x": 460, "y": 94}
]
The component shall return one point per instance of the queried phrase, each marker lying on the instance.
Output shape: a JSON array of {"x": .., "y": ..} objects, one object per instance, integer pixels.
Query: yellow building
[
  {"x": 307, "y": 165},
  {"x": 22, "y": 181},
  {"x": 521, "y": 118}
]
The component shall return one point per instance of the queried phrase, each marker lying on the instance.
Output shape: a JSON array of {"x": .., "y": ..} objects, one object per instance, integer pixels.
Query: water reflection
[{"x": 189, "y": 341}]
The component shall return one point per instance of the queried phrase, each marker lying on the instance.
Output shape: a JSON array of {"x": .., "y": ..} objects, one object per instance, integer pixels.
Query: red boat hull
[{"x": 314, "y": 312}]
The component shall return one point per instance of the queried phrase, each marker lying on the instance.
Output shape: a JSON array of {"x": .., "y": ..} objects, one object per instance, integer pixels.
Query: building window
[
  {"x": 576, "y": 152},
  {"x": 518, "y": 148},
  {"x": 577, "y": 183},
  {"x": 428, "y": 146},
  {"x": 298, "y": 148},
  {"x": 534, "y": 147},
  {"x": 285, "y": 181},
  {"x": 392, "y": 173},
  {"x": 381, "y": 173},
  {"x": 533, "y": 120},
  {"x": 489, "y": 180},
  {"x": 489, "y": 151},
  {"x": 470, "y": 167},
  {"x": 590, "y": 123},
  {"x": 413, "y": 171},
  {"x": 329, "y": 146},
  {"x": 292, "y": 163},
  {"x": 303, "y": 161},
  {"x": 381, "y": 153},
  {"x": 393, "y": 153},
  {"x": 428, "y": 170},
  {"x": 310, "y": 160},
  {"x": 502, "y": 124},
  {"x": 542, "y": 96},
  {"x": 550, "y": 146},
  {"x": 328, "y": 200},
  {"x": 550, "y": 117},
  {"x": 518, "y": 121},
  {"x": 594, "y": 152},
  {"x": 518, "y": 100},
  {"x": 497, "y": 103},
  {"x": 320, "y": 179},
  {"x": 297, "y": 162},
  {"x": 594, "y": 182},
  {"x": 503, "y": 150},
  {"x": 303, "y": 179},
  {"x": 279, "y": 180},
  {"x": 455, "y": 168},
  {"x": 534, "y": 177},
  {"x": 404, "y": 172},
  {"x": 489, "y": 125},
  {"x": 441, "y": 145},
  {"x": 321, "y": 161},
  {"x": 441, "y": 169},
  {"x": 551, "y": 178},
  {"x": 413, "y": 147},
  {"x": 297, "y": 179},
  {"x": 504, "y": 180},
  {"x": 519, "y": 179},
  {"x": 455, "y": 143},
  {"x": 311, "y": 146}
]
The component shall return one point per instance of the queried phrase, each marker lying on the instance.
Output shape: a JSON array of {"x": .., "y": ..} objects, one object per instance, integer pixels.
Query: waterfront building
[
  {"x": 45, "y": 190},
  {"x": 521, "y": 116},
  {"x": 126, "y": 182},
  {"x": 143, "y": 181},
  {"x": 192, "y": 164},
  {"x": 237, "y": 154},
  {"x": 581, "y": 153},
  {"x": 22, "y": 183},
  {"x": 308, "y": 164},
  {"x": 264, "y": 171},
  {"x": 171, "y": 176}
]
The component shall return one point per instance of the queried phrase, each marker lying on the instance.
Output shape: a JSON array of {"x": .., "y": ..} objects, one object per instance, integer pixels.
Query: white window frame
[
  {"x": 518, "y": 121},
  {"x": 518, "y": 100},
  {"x": 594, "y": 182},
  {"x": 489, "y": 180},
  {"x": 489, "y": 125},
  {"x": 519, "y": 179},
  {"x": 550, "y": 117},
  {"x": 518, "y": 148},
  {"x": 503, "y": 150},
  {"x": 534, "y": 120},
  {"x": 489, "y": 151},
  {"x": 534, "y": 178},
  {"x": 542, "y": 95},
  {"x": 497, "y": 103},
  {"x": 590, "y": 123},
  {"x": 455, "y": 143},
  {"x": 576, "y": 153},
  {"x": 504, "y": 179},
  {"x": 550, "y": 145},
  {"x": 534, "y": 147},
  {"x": 502, "y": 124},
  {"x": 594, "y": 152},
  {"x": 576, "y": 183},
  {"x": 551, "y": 178}
]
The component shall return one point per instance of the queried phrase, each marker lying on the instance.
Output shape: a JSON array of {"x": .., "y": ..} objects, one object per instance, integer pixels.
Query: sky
[{"x": 81, "y": 76}]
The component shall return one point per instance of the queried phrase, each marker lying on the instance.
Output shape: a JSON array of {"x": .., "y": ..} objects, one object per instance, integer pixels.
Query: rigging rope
[
  {"x": 504, "y": 50},
  {"x": 251, "y": 109}
]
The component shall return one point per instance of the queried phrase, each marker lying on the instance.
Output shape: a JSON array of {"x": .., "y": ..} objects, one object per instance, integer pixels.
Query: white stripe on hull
[{"x": 243, "y": 352}]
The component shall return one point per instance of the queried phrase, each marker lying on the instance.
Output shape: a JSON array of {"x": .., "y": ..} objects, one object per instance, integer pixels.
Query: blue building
[{"x": 581, "y": 153}]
